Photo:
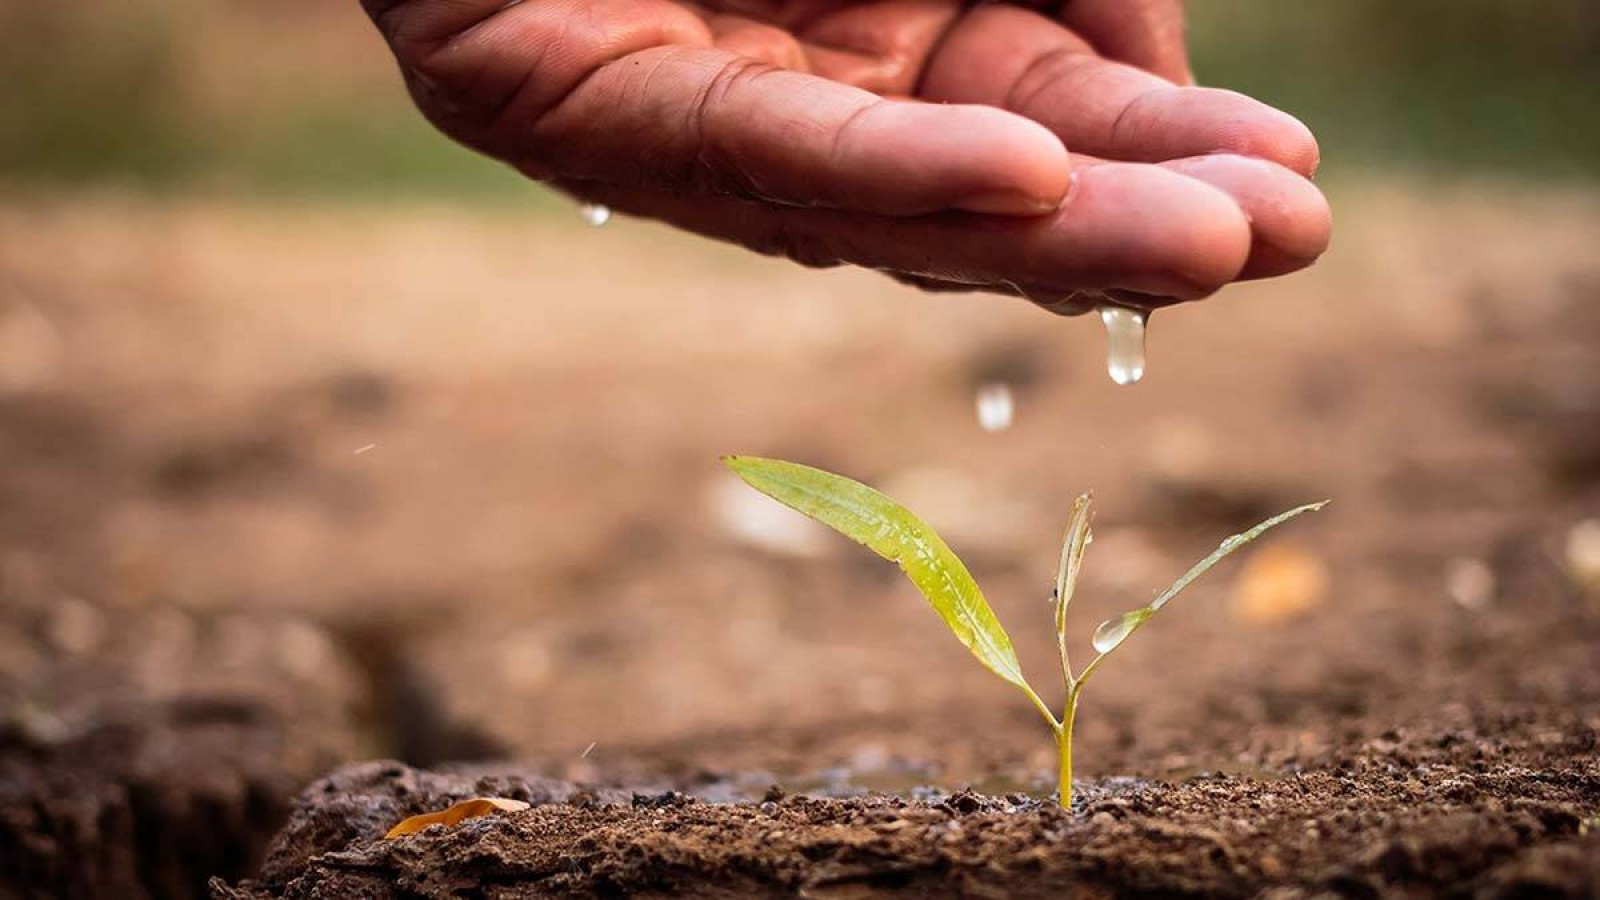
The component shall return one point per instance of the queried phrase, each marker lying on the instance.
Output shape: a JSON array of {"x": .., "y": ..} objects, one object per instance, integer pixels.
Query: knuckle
[
  {"x": 715, "y": 164},
  {"x": 1048, "y": 69}
]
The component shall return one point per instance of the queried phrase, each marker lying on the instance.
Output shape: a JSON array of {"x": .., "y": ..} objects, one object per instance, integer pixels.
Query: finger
[
  {"x": 708, "y": 121},
  {"x": 1130, "y": 227},
  {"x": 759, "y": 41},
  {"x": 482, "y": 68},
  {"x": 897, "y": 35},
  {"x": 1290, "y": 222},
  {"x": 427, "y": 21},
  {"x": 1144, "y": 33},
  {"x": 630, "y": 91},
  {"x": 1018, "y": 60}
]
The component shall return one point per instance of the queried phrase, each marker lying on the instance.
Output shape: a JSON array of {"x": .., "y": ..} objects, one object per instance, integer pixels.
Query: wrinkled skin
[{"x": 928, "y": 139}]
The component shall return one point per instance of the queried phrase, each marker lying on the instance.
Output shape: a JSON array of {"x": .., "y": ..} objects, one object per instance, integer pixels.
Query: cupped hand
[{"x": 925, "y": 138}]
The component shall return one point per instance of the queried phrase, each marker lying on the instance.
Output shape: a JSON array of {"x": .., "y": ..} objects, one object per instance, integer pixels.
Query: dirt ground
[{"x": 284, "y": 488}]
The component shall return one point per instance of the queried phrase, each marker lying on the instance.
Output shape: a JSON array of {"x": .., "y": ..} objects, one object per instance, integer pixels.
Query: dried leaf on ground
[{"x": 455, "y": 815}]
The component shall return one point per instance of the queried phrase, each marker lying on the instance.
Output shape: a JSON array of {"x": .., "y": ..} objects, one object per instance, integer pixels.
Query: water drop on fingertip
[
  {"x": 996, "y": 406},
  {"x": 594, "y": 214},
  {"x": 1125, "y": 330}
]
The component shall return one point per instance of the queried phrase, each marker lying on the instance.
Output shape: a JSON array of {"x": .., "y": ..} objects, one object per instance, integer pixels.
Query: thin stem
[
  {"x": 1064, "y": 748},
  {"x": 1093, "y": 664},
  {"x": 1044, "y": 710},
  {"x": 1061, "y": 645}
]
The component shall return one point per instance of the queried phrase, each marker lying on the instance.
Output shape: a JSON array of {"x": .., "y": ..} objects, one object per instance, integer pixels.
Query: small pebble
[
  {"x": 1469, "y": 582},
  {"x": 1583, "y": 555}
]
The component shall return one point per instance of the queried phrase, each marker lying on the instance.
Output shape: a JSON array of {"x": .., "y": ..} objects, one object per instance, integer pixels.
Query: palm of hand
[{"x": 925, "y": 138}]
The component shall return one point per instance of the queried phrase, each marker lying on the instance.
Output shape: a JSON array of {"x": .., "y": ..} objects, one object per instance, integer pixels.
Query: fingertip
[
  {"x": 1175, "y": 122},
  {"x": 1267, "y": 261},
  {"x": 1290, "y": 218},
  {"x": 1272, "y": 134},
  {"x": 1004, "y": 164},
  {"x": 1186, "y": 239}
]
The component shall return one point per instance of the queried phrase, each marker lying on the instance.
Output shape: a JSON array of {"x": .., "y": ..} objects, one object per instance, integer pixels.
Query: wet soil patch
[{"x": 1416, "y": 815}]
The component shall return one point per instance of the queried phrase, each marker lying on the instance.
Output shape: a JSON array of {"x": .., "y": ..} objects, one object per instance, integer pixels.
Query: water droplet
[
  {"x": 1124, "y": 342},
  {"x": 1114, "y": 631},
  {"x": 594, "y": 214},
  {"x": 996, "y": 407}
]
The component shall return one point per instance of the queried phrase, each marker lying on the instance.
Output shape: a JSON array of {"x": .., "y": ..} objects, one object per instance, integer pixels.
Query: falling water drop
[
  {"x": 594, "y": 214},
  {"x": 996, "y": 407},
  {"x": 1124, "y": 342},
  {"x": 1114, "y": 631}
]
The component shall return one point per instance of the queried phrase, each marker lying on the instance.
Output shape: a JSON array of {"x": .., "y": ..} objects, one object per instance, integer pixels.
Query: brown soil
[
  {"x": 209, "y": 597},
  {"x": 1446, "y": 813}
]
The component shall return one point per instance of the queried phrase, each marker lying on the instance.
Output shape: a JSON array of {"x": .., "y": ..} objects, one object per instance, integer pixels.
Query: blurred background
[
  {"x": 293, "y": 96},
  {"x": 323, "y": 439}
]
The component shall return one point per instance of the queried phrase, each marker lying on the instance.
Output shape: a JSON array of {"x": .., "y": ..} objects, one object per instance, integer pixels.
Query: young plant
[{"x": 893, "y": 532}]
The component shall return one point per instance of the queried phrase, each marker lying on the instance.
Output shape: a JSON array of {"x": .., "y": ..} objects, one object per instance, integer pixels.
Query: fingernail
[{"x": 1008, "y": 203}]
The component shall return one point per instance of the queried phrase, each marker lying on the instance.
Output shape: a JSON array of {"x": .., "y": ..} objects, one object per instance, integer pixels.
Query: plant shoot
[{"x": 895, "y": 533}]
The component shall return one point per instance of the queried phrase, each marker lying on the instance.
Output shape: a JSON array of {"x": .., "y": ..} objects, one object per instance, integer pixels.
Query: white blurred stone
[
  {"x": 961, "y": 509},
  {"x": 594, "y": 214},
  {"x": 305, "y": 650},
  {"x": 996, "y": 407},
  {"x": 1582, "y": 554},
  {"x": 1469, "y": 582},
  {"x": 76, "y": 627}
]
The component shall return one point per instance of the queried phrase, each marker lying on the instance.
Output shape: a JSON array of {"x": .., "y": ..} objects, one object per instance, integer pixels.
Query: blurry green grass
[{"x": 1425, "y": 86}]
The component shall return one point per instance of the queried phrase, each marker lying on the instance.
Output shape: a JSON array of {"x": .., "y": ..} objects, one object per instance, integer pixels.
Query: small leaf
[
  {"x": 1113, "y": 632},
  {"x": 1073, "y": 546},
  {"x": 893, "y": 532},
  {"x": 455, "y": 815},
  {"x": 1226, "y": 547}
]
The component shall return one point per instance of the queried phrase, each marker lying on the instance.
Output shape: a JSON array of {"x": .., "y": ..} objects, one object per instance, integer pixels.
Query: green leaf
[
  {"x": 1227, "y": 547},
  {"x": 895, "y": 533},
  {"x": 1113, "y": 633}
]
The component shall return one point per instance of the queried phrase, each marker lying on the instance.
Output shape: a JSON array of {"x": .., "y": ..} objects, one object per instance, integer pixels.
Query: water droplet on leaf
[
  {"x": 1114, "y": 631},
  {"x": 1125, "y": 330}
]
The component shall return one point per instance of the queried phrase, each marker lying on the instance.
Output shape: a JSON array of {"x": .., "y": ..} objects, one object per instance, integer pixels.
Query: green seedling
[{"x": 895, "y": 533}]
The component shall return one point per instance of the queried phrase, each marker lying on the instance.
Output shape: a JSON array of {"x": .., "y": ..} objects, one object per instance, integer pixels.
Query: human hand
[{"x": 924, "y": 138}]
